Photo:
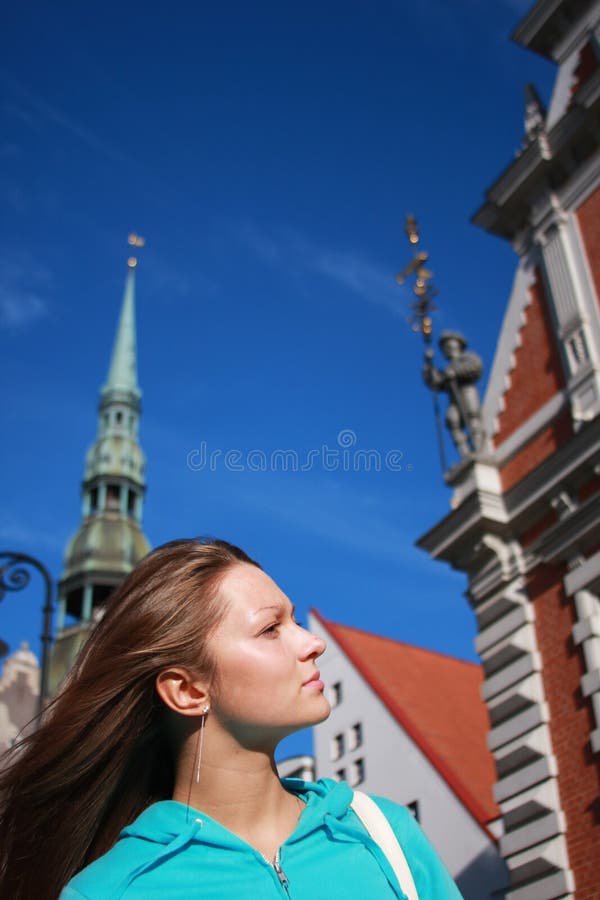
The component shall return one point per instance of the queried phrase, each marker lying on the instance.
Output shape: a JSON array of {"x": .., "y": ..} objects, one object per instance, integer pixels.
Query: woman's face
[{"x": 267, "y": 683}]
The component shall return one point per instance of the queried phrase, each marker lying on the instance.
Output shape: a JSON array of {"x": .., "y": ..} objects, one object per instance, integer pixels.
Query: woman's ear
[{"x": 182, "y": 692}]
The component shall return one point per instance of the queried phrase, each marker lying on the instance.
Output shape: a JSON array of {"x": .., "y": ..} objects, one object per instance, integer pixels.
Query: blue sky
[{"x": 269, "y": 153}]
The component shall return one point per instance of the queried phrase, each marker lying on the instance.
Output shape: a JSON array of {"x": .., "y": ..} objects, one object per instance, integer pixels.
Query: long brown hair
[{"x": 101, "y": 754}]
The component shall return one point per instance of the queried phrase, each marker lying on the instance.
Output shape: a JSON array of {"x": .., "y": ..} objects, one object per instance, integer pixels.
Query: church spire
[
  {"x": 110, "y": 539},
  {"x": 122, "y": 374}
]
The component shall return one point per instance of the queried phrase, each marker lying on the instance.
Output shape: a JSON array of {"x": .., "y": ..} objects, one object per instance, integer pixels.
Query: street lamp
[{"x": 15, "y": 576}]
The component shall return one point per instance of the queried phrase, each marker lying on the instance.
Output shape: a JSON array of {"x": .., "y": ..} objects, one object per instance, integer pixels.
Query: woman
[{"x": 153, "y": 772}]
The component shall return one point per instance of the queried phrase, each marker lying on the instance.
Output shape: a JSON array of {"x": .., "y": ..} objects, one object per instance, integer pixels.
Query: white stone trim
[
  {"x": 590, "y": 683},
  {"x": 542, "y": 829},
  {"x": 549, "y": 854},
  {"x": 530, "y": 428},
  {"x": 524, "y": 749},
  {"x": 586, "y": 634},
  {"x": 526, "y": 777},
  {"x": 484, "y": 479},
  {"x": 581, "y": 263},
  {"x": 516, "y": 698},
  {"x": 573, "y": 304},
  {"x": 510, "y": 340},
  {"x": 503, "y": 627},
  {"x": 511, "y": 676},
  {"x": 562, "y": 283},
  {"x": 530, "y": 804},
  {"x": 588, "y": 628},
  {"x": 572, "y": 298},
  {"x": 520, "y": 739},
  {"x": 561, "y": 94},
  {"x": 519, "y": 727},
  {"x": 508, "y": 649},
  {"x": 557, "y": 886},
  {"x": 587, "y": 573}
]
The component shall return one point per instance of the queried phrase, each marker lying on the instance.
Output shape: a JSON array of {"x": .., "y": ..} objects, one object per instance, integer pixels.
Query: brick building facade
[{"x": 525, "y": 513}]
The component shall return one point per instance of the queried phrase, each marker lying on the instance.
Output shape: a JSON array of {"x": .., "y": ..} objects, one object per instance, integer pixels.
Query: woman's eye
[{"x": 271, "y": 631}]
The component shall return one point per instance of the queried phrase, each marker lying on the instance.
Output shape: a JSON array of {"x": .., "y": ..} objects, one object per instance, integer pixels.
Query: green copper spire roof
[
  {"x": 122, "y": 375},
  {"x": 110, "y": 539}
]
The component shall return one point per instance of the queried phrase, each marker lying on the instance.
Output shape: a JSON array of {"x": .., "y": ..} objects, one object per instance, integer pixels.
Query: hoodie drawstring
[{"x": 166, "y": 850}]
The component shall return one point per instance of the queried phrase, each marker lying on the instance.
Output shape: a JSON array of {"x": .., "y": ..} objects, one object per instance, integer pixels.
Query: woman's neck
[{"x": 241, "y": 790}]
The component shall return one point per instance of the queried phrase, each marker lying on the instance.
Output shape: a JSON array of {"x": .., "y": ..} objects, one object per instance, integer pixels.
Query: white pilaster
[
  {"x": 571, "y": 294},
  {"x": 520, "y": 739},
  {"x": 586, "y": 634}
]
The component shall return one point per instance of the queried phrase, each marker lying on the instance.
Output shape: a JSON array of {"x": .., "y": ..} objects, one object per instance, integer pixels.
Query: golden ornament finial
[
  {"x": 423, "y": 289},
  {"x": 134, "y": 240},
  {"x": 411, "y": 229}
]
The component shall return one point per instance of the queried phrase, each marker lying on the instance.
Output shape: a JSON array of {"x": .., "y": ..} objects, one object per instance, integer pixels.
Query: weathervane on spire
[
  {"x": 134, "y": 240},
  {"x": 423, "y": 288},
  {"x": 458, "y": 378}
]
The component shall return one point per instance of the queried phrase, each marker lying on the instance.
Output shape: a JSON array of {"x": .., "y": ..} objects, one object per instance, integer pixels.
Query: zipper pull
[{"x": 280, "y": 873}]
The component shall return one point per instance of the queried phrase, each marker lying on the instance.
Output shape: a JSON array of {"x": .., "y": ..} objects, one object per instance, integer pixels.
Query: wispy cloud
[
  {"x": 350, "y": 270},
  {"x": 30, "y": 107},
  {"x": 20, "y": 309},
  {"x": 23, "y": 283},
  {"x": 358, "y": 274}
]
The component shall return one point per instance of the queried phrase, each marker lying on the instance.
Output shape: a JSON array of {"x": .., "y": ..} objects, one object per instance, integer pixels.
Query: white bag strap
[{"x": 381, "y": 831}]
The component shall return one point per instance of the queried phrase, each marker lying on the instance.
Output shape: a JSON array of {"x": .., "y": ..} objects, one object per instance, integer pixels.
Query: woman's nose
[{"x": 314, "y": 645}]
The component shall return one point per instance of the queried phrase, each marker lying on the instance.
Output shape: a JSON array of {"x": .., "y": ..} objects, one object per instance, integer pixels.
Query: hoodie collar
[
  {"x": 167, "y": 820},
  {"x": 175, "y": 825}
]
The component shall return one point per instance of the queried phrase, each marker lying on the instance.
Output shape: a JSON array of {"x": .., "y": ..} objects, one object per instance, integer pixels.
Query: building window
[
  {"x": 118, "y": 417},
  {"x": 335, "y": 694},
  {"x": 357, "y": 771},
  {"x": 337, "y": 746},
  {"x": 340, "y": 775},
  {"x": 113, "y": 497},
  {"x": 577, "y": 351},
  {"x": 131, "y": 503},
  {"x": 93, "y": 501},
  {"x": 356, "y": 736},
  {"x": 414, "y": 808}
]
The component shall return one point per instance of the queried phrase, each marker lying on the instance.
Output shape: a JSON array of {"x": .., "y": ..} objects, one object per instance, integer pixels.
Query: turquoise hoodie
[{"x": 173, "y": 852}]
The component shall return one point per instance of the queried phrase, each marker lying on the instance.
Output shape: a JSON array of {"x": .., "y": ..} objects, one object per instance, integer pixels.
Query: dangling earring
[
  {"x": 197, "y": 759},
  {"x": 200, "y": 743}
]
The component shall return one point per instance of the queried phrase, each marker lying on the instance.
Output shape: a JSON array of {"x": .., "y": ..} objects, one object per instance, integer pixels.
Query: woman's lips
[{"x": 315, "y": 682}]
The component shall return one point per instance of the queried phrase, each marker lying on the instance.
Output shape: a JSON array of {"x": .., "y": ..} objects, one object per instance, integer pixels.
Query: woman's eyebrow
[{"x": 278, "y": 607}]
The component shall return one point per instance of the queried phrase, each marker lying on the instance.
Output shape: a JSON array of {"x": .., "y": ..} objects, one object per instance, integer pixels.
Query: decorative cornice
[
  {"x": 510, "y": 198},
  {"x": 534, "y": 23},
  {"x": 459, "y": 533}
]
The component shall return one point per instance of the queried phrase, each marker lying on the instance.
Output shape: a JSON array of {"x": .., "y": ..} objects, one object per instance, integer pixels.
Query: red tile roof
[{"x": 436, "y": 699}]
